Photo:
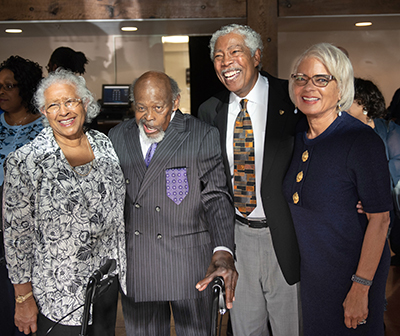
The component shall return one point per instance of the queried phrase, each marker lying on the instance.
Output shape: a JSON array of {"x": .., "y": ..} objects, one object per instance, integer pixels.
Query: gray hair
[
  {"x": 251, "y": 38},
  {"x": 174, "y": 88},
  {"x": 338, "y": 65},
  {"x": 61, "y": 76}
]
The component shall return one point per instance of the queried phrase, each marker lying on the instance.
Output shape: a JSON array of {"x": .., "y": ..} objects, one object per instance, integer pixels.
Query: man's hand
[
  {"x": 222, "y": 264},
  {"x": 360, "y": 208}
]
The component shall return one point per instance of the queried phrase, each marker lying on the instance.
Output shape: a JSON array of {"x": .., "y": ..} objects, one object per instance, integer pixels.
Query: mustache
[{"x": 230, "y": 69}]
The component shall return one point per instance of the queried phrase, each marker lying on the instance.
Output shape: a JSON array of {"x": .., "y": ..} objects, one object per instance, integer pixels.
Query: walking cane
[{"x": 218, "y": 304}]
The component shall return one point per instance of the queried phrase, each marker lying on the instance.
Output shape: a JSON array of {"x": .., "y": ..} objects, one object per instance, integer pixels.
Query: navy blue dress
[{"x": 326, "y": 178}]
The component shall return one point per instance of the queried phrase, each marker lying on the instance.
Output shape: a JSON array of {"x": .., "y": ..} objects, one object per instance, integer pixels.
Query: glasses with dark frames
[{"x": 318, "y": 80}]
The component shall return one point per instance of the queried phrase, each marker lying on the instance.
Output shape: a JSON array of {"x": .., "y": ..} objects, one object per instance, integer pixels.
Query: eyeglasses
[
  {"x": 69, "y": 103},
  {"x": 8, "y": 87},
  {"x": 318, "y": 80}
]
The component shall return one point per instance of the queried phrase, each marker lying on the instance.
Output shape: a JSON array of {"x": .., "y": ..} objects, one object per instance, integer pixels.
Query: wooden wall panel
[
  {"x": 21, "y": 10},
  {"x": 337, "y": 7},
  {"x": 262, "y": 16}
]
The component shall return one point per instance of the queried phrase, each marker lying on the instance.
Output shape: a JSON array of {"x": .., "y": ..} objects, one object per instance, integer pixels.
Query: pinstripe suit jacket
[
  {"x": 278, "y": 149},
  {"x": 169, "y": 246}
]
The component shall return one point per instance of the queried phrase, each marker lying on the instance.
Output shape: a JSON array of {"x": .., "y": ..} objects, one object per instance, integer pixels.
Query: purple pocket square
[{"x": 177, "y": 184}]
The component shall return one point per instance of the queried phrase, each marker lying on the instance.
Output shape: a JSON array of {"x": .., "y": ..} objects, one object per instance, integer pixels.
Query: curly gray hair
[
  {"x": 251, "y": 38},
  {"x": 61, "y": 76},
  {"x": 338, "y": 65}
]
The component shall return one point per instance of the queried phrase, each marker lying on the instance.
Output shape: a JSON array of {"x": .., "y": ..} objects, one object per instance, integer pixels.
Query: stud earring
[{"x": 365, "y": 112}]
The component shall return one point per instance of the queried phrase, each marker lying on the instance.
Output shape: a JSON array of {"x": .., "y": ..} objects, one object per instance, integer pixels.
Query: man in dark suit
[
  {"x": 178, "y": 212},
  {"x": 266, "y": 246}
]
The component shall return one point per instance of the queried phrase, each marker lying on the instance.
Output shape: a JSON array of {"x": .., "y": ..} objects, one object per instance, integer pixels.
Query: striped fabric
[{"x": 244, "y": 167}]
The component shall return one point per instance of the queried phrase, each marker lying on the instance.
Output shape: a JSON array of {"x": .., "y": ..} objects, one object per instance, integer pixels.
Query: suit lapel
[
  {"x": 221, "y": 121},
  {"x": 134, "y": 149},
  {"x": 276, "y": 122},
  {"x": 175, "y": 136}
]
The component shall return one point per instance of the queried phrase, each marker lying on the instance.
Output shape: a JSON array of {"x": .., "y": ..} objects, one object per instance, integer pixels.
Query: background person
[
  {"x": 344, "y": 255},
  {"x": 178, "y": 213},
  {"x": 266, "y": 246},
  {"x": 67, "y": 59},
  {"x": 63, "y": 213},
  {"x": 369, "y": 107},
  {"x": 19, "y": 124}
]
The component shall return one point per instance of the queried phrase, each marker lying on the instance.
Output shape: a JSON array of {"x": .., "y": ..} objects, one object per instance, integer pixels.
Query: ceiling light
[
  {"x": 129, "y": 29},
  {"x": 363, "y": 24},
  {"x": 175, "y": 39},
  {"x": 13, "y": 31}
]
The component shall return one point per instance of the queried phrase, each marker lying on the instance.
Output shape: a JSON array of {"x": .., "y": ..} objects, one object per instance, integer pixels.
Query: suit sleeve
[
  {"x": 215, "y": 198},
  {"x": 207, "y": 111}
]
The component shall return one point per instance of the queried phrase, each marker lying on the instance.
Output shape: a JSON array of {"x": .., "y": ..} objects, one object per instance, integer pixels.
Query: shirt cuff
[{"x": 222, "y": 248}]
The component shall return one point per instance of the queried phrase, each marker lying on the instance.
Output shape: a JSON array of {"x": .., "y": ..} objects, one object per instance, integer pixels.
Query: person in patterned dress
[{"x": 63, "y": 213}]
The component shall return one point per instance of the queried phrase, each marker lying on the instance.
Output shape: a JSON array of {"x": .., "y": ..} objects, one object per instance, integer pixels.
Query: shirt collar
[{"x": 256, "y": 95}]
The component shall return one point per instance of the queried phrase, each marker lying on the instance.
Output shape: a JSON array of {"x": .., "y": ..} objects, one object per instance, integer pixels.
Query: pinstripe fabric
[
  {"x": 169, "y": 246},
  {"x": 153, "y": 318}
]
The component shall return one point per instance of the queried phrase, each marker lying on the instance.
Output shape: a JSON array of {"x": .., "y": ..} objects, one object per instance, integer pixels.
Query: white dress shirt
[{"x": 257, "y": 107}]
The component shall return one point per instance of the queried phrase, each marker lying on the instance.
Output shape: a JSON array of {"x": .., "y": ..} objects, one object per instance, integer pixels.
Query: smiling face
[
  {"x": 316, "y": 101},
  {"x": 10, "y": 101},
  {"x": 67, "y": 122},
  {"x": 234, "y": 65},
  {"x": 153, "y": 104}
]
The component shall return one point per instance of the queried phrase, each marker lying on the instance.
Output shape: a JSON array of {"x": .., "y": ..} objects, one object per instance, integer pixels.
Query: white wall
[
  {"x": 115, "y": 59},
  {"x": 375, "y": 54},
  {"x": 176, "y": 61},
  {"x": 112, "y": 59}
]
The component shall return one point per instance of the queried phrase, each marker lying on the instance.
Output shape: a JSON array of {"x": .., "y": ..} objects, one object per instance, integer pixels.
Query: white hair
[
  {"x": 61, "y": 76},
  {"x": 338, "y": 65},
  {"x": 251, "y": 38}
]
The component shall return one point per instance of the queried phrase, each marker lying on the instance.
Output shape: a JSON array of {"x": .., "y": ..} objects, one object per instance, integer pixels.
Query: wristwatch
[{"x": 23, "y": 298}]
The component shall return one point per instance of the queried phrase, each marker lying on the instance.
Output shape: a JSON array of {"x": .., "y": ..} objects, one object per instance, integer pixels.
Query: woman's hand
[
  {"x": 356, "y": 305},
  {"x": 26, "y": 312},
  {"x": 26, "y": 316}
]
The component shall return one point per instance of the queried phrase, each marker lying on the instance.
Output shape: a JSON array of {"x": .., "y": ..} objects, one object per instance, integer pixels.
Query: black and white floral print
[{"x": 59, "y": 226}]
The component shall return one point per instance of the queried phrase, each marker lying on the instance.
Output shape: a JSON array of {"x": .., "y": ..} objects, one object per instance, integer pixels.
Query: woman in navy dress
[{"x": 337, "y": 161}]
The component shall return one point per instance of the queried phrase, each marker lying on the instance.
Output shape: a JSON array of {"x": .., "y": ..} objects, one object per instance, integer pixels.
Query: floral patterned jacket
[{"x": 60, "y": 226}]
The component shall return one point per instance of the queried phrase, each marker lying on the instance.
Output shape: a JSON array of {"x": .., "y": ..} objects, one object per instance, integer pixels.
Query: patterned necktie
[
  {"x": 150, "y": 153},
  {"x": 244, "y": 166}
]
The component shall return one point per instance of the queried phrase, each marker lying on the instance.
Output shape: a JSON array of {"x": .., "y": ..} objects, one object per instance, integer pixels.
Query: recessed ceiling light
[
  {"x": 129, "y": 29},
  {"x": 363, "y": 24},
  {"x": 175, "y": 39},
  {"x": 13, "y": 31}
]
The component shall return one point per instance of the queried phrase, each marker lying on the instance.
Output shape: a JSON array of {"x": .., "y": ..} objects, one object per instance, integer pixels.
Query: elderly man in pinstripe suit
[{"x": 178, "y": 212}]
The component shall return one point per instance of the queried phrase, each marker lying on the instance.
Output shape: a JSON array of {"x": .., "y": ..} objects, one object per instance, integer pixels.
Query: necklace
[
  {"x": 84, "y": 175},
  {"x": 17, "y": 123},
  {"x": 91, "y": 162}
]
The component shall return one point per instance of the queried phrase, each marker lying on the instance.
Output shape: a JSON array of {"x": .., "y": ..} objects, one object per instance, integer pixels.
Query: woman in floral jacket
[{"x": 63, "y": 212}]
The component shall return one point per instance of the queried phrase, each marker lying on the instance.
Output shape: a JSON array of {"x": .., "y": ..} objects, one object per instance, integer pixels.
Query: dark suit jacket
[
  {"x": 169, "y": 246},
  {"x": 278, "y": 148}
]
